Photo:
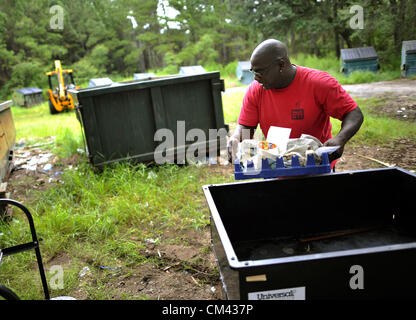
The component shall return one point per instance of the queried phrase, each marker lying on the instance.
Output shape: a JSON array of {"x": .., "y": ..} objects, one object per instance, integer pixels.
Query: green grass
[
  {"x": 377, "y": 129},
  {"x": 232, "y": 102},
  {"x": 35, "y": 123},
  {"x": 98, "y": 218}
]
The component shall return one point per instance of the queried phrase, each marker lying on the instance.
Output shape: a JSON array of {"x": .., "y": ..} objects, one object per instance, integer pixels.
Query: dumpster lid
[
  {"x": 143, "y": 76},
  {"x": 354, "y": 54},
  {"x": 244, "y": 65},
  {"x": 30, "y": 90},
  {"x": 134, "y": 84},
  {"x": 409, "y": 46},
  {"x": 191, "y": 70},
  {"x": 100, "y": 82}
]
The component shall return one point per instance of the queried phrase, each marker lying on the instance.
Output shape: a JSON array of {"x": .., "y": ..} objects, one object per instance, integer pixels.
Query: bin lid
[
  {"x": 244, "y": 65},
  {"x": 30, "y": 90},
  {"x": 143, "y": 76},
  {"x": 354, "y": 54},
  {"x": 99, "y": 82},
  {"x": 409, "y": 46},
  {"x": 191, "y": 70}
]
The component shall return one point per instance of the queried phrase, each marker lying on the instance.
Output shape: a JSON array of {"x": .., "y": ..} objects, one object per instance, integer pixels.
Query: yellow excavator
[{"x": 59, "y": 82}]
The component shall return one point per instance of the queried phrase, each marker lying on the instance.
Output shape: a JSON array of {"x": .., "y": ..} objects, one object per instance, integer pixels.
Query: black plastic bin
[
  {"x": 120, "y": 120},
  {"x": 348, "y": 235}
]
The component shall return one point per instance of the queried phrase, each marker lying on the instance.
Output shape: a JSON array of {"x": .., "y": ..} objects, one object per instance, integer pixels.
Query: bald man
[{"x": 290, "y": 96}]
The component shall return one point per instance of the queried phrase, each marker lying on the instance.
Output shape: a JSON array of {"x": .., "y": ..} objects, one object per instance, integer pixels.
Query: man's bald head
[
  {"x": 270, "y": 49},
  {"x": 271, "y": 65}
]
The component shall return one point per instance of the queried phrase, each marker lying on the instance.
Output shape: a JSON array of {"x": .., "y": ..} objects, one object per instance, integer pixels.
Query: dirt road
[{"x": 403, "y": 88}]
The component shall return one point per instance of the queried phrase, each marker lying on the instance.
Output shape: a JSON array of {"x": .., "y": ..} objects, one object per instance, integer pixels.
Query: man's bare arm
[
  {"x": 350, "y": 124},
  {"x": 240, "y": 133}
]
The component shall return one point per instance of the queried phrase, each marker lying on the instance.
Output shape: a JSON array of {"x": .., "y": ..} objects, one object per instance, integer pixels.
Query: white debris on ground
[
  {"x": 32, "y": 157},
  {"x": 35, "y": 159},
  {"x": 84, "y": 271}
]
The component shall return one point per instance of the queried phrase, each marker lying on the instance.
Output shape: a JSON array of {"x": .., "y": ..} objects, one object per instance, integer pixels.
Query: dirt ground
[
  {"x": 388, "y": 89},
  {"x": 188, "y": 270}
]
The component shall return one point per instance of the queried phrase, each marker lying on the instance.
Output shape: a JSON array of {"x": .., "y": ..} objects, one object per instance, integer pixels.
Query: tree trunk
[
  {"x": 398, "y": 11},
  {"x": 400, "y": 20},
  {"x": 293, "y": 42},
  {"x": 336, "y": 35},
  {"x": 337, "y": 48},
  {"x": 393, "y": 10},
  {"x": 142, "y": 67},
  {"x": 346, "y": 36}
]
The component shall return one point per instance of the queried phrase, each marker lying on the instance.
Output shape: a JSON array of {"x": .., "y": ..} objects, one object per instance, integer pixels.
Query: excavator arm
[{"x": 59, "y": 98}]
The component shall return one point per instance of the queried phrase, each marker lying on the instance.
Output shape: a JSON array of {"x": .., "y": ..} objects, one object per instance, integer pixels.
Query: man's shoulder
[
  {"x": 255, "y": 85},
  {"x": 315, "y": 76},
  {"x": 254, "y": 88}
]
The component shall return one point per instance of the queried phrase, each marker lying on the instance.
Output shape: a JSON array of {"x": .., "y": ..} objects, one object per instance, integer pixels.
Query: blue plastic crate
[{"x": 280, "y": 171}]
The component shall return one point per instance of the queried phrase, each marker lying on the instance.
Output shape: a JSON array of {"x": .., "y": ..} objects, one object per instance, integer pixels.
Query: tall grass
[{"x": 99, "y": 217}]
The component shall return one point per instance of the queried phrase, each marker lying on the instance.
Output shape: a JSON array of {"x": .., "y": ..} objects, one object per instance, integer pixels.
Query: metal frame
[{"x": 34, "y": 245}]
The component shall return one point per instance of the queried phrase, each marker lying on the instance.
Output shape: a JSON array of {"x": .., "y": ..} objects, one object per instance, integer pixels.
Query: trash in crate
[{"x": 264, "y": 159}]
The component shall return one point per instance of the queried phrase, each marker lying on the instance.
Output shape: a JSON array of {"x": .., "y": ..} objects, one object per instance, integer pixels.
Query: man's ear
[{"x": 281, "y": 64}]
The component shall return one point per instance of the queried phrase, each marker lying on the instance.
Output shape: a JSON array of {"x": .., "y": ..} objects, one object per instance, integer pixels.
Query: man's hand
[
  {"x": 241, "y": 132},
  {"x": 232, "y": 146},
  {"x": 350, "y": 124},
  {"x": 337, "y": 153}
]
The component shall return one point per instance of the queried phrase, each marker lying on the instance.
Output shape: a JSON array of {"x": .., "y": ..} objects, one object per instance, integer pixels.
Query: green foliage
[
  {"x": 85, "y": 70},
  {"x": 27, "y": 74},
  {"x": 99, "y": 39},
  {"x": 230, "y": 69},
  {"x": 200, "y": 53},
  {"x": 99, "y": 57}
]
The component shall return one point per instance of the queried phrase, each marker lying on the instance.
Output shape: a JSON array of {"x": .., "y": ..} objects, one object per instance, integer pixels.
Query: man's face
[{"x": 266, "y": 72}]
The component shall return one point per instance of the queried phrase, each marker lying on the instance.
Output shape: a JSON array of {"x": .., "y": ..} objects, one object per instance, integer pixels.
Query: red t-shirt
[{"x": 305, "y": 106}]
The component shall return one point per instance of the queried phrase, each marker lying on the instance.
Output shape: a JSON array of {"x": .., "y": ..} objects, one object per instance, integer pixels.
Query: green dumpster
[
  {"x": 243, "y": 72},
  {"x": 137, "y": 120},
  {"x": 27, "y": 97},
  {"x": 408, "y": 65},
  {"x": 355, "y": 59}
]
